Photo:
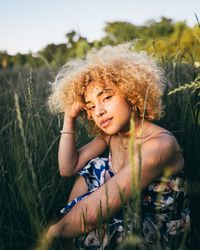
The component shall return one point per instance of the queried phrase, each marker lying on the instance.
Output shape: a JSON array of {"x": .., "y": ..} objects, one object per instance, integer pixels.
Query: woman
[{"x": 115, "y": 86}]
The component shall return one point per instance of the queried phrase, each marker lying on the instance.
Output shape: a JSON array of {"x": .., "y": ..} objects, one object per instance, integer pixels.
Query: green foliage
[
  {"x": 57, "y": 55},
  {"x": 162, "y": 37},
  {"x": 132, "y": 242},
  {"x": 28, "y": 156},
  {"x": 163, "y": 28},
  {"x": 188, "y": 86},
  {"x": 118, "y": 32}
]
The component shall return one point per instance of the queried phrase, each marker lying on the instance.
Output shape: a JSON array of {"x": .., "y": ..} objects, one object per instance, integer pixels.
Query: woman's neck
[{"x": 138, "y": 129}]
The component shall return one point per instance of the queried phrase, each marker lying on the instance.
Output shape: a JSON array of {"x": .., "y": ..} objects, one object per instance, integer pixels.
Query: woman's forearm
[
  {"x": 107, "y": 200},
  {"x": 84, "y": 216},
  {"x": 67, "y": 153}
]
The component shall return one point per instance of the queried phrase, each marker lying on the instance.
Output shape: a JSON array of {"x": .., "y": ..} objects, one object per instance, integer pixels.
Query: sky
[{"x": 29, "y": 25}]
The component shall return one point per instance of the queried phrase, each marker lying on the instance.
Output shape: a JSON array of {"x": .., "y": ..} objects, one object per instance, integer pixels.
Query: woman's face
[{"x": 107, "y": 107}]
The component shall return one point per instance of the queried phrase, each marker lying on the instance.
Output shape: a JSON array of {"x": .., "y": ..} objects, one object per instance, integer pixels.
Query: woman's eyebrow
[
  {"x": 87, "y": 102},
  {"x": 100, "y": 93}
]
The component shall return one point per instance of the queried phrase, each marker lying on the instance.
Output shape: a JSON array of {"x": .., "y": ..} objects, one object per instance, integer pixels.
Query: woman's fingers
[{"x": 76, "y": 108}]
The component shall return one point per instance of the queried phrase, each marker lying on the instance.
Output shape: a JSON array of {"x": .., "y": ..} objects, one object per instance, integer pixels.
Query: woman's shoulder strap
[
  {"x": 161, "y": 132},
  {"x": 156, "y": 133}
]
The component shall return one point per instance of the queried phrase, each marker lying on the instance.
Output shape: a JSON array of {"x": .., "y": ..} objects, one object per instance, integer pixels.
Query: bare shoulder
[{"x": 163, "y": 150}]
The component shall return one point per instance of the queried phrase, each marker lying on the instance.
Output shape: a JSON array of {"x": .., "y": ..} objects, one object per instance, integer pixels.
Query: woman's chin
[{"x": 110, "y": 131}]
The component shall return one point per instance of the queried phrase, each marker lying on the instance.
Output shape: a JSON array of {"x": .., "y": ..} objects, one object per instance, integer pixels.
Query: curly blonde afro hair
[{"x": 136, "y": 74}]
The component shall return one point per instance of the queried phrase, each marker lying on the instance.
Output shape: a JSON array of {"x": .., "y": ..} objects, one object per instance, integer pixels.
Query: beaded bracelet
[{"x": 67, "y": 132}]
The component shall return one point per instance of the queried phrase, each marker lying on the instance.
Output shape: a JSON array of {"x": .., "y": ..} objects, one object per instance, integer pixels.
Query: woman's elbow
[{"x": 65, "y": 173}]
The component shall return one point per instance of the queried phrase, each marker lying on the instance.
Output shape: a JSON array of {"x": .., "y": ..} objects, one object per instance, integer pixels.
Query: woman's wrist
[
  {"x": 69, "y": 132},
  {"x": 68, "y": 125}
]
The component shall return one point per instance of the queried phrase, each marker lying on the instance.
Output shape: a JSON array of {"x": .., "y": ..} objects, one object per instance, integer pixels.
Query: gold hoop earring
[{"x": 133, "y": 108}]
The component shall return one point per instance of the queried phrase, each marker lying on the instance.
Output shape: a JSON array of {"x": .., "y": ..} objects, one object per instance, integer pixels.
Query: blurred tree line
[{"x": 167, "y": 38}]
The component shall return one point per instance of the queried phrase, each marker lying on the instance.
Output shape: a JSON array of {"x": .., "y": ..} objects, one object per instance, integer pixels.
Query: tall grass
[
  {"x": 31, "y": 188},
  {"x": 32, "y": 192}
]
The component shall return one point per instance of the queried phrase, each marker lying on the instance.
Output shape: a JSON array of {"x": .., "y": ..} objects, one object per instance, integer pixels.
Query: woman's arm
[
  {"x": 70, "y": 159},
  {"x": 156, "y": 157}
]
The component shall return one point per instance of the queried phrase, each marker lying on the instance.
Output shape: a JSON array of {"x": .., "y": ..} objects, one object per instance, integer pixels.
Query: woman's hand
[{"x": 76, "y": 109}]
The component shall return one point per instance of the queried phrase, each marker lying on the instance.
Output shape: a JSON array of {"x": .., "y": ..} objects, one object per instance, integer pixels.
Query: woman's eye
[
  {"x": 108, "y": 97},
  {"x": 91, "y": 108}
]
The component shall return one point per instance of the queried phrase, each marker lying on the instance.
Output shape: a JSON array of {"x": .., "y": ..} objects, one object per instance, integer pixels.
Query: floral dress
[{"x": 164, "y": 214}]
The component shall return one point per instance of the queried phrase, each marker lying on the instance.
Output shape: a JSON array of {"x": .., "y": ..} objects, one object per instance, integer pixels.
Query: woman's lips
[{"x": 105, "y": 123}]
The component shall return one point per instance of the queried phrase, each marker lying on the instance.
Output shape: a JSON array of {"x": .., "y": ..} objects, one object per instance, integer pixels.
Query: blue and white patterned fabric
[
  {"x": 95, "y": 173},
  {"x": 164, "y": 217}
]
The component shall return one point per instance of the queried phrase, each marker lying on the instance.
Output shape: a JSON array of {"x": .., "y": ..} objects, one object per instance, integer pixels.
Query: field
[{"x": 32, "y": 192}]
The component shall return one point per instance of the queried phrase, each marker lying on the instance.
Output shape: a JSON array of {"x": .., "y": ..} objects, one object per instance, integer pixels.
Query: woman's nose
[{"x": 99, "y": 111}]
